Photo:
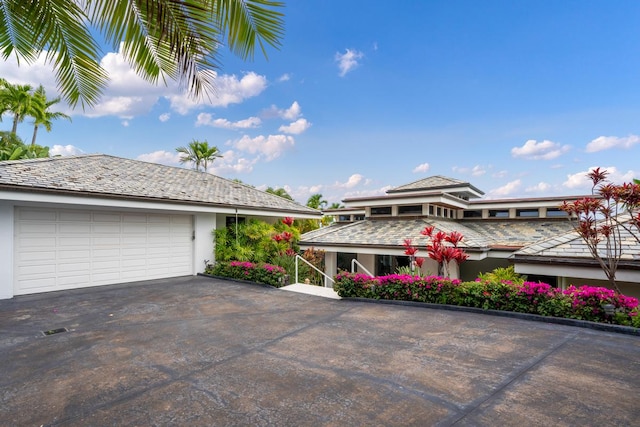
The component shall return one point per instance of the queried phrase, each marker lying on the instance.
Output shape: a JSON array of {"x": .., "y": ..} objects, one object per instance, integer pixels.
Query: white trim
[
  {"x": 27, "y": 198},
  {"x": 563, "y": 270},
  {"x": 6, "y": 249}
]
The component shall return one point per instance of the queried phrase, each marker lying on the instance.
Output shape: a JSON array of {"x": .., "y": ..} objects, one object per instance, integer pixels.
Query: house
[
  {"x": 91, "y": 220},
  {"x": 526, "y": 232}
]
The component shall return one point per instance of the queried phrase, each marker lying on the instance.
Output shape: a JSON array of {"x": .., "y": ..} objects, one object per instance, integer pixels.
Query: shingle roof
[
  {"x": 104, "y": 175},
  {"x": 571, "y": 245},
  {"x": 481, "y": 234},
  {"x": 432, "y": 183}
]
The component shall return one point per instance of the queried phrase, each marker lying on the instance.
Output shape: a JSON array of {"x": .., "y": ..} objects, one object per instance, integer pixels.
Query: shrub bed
[
  {"x": 582, "y": 303},
  {"x": 260, "y": 273}
]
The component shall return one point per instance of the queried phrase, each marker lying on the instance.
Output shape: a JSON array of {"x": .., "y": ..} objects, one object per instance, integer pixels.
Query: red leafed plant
[
  {"x": 601, "y": 220},
  {"x": 443, "y": 248}
]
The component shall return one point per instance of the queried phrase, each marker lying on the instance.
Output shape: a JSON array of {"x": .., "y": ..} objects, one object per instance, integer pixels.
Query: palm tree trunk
[
  {"x": 33, "y": 139},
  {"x": 14, "y": 129}
]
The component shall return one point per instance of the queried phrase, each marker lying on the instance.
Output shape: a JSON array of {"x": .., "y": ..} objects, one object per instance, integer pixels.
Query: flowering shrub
[
  {"x": 260, "y": 273},
  {"x": 584, "y": 302}
]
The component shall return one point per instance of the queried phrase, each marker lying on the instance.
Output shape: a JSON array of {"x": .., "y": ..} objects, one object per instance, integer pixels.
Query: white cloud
[
  {"x": 607, "y": 142},
  {"x": 270, "y": 147},
  {"x": 161, "y": 156},
  {"x": 296, "y": 127},
  {"x": 127, "y": 95},
  {"x": 290, "y": 113},
  {"x": 478, "y": 170},
  {"x": 229, "y": 90},
  {"x": 543, "y": 150},
  {"x": 367, "y": 193},
  {"x": 580, "y": 180},
  {"x": 206, "y": 119},
  {"x": 506, "y": 190},
  {"x": 348, "y": 61},
  {"x": 421, "y": 168},
  {"x": 284, "y": 78},
  {"x": 232, "y": 163},
  {"x": 500, "y": 174},
  {"x": 353, "y": 180},
  {"x": 164, "y": 117},
  {"x": 541, "y": 187},
  {"x": 64, "y": 150},
  {"x": 125, "y": 123}
]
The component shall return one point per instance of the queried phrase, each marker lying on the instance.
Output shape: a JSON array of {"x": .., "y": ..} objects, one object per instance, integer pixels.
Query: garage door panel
[
  {"x": 134, "y": 252},
  {"x": 66, "y": 249},
  {"x": 37, "y": 270},
  {"x": 74, "y": 228},
  {"x": 106, "y": 228},
  {"x": 73, "y": 267},
  {"x": 106, "y": 253},
  {"x": 36, "y": 242},
  {"x": 66, "y": 254},
  {"x": 38, "y": 228},
  {"x": 38, "y": 215},
  {"x": 106, "y": 241},
  {"x": 75, "y": 241},
  {"x": 74, "y": 216}
]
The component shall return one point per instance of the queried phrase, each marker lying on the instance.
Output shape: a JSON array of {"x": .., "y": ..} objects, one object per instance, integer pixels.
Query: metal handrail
[
  {"x": 353, "y": 267},
  {"x": 298, "y": 257}
]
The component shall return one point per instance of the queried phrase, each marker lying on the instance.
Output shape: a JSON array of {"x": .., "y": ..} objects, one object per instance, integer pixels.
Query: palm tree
[
  {"x": 41, "y": 114},
  {"x": 336, "y": 205},
  {"x": 279, "y": 192},
  {"x": 199, "y": 153},
  {"x": 178, "y": 39},
  {"x": 17, "y": 100},
  {"x": 316, "y": 202}
]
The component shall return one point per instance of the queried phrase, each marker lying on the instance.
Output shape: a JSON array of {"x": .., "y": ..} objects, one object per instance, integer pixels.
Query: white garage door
[{"x": 68, "y": 249}]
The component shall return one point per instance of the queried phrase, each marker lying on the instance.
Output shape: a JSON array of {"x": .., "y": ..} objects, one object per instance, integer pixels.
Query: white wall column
[
  {"x": 6, "y": 249},
  {"x": 203, "y": 246},
  {"x": 331, "y": 264}
]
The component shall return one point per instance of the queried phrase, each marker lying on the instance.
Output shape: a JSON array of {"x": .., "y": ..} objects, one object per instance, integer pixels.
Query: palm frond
[{"x": 59, "y": 28}]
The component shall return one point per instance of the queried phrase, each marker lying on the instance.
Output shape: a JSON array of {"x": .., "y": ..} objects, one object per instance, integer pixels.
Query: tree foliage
[
  {"x": 604, "y": 220},
  {"x": 180, "y": 40},
  {"x": 199, "y": 153}
]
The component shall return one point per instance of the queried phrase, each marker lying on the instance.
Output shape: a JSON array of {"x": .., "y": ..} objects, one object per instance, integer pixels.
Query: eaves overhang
[{"x": 14, "y": 192}]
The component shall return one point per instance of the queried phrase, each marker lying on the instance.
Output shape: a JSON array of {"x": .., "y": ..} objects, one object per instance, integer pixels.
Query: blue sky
[{"x": 520, "y": 98}]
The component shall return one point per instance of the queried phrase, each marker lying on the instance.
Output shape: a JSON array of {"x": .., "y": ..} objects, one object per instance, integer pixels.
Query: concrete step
[{"x": 311, "y": 290}]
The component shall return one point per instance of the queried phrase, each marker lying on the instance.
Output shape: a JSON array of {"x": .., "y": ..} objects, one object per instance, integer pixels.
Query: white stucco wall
[
  {"x": 203, "y": 249},
  {"x": 6, "y": 249}
]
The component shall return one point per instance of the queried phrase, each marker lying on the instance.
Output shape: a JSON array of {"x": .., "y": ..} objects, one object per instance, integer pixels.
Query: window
[
  {"x": 412, "y": 209},
  {"x": 344, "y": 260},
  {"x": 358, "y": 217},
  {"x": 342, "y": 218},
  {"x": 446, "y": 212},
  {"x": 386, "y": 210},
  {"x": 438, "y": 211},
  {"x": 430, "y": 210},
  {"x": 472, "y": 214},
  {"x": 231, "y": 221},
  {"x": 498, "y": 214},
  {"x": 527, "y": 213},
  {"x": 556, "y": 213}
]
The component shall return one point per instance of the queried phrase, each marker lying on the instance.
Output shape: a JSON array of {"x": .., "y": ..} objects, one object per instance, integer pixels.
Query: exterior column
[
  {"x": 331, "y": 264},
  {"x": 6, "y": 246}
]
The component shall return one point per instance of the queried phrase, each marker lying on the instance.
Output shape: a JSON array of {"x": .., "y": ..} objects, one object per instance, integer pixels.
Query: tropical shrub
[
  {"x": 584, "y": 302},
  {"x": 269, "y": 274},
  {"x": 501, "y": 274}
]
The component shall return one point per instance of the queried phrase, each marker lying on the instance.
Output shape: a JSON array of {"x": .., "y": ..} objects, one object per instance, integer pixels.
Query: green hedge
[
  {"x": 260, "y": 273},
  {"x": 583, "y": 303}
]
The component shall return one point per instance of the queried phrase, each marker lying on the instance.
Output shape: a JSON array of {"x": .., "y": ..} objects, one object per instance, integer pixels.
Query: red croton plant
[
  {"x": 442, "y": 247},
  {"x": 606, "y": 220}
]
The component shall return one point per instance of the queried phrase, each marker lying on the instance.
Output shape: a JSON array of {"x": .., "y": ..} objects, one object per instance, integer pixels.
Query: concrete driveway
[{"x": 200, "y": 351}]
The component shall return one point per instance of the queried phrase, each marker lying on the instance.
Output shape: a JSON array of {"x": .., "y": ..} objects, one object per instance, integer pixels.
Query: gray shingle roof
[
  {"x": 104, "y": 175},
  {"x": 571, "y": 245},
  {"x": 481, "y": 234},
  {"x": 432, "y": 183}
]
